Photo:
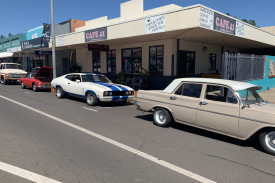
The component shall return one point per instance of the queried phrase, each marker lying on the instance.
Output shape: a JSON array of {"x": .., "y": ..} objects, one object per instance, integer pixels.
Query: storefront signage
[
  {"x": 61, "y": 41},
  {"x": 14, "y": 49},
  {"x": 96, "y": 35},
  {"x": 239, "y": 29},
  {"x": 224, "y": 24},
  {"x": 155, "y": 24},
  {"x": 33, "y": 44},
  {"x": 39, "y": 52},
  {"x": 206, "y": 18},
  {"x": 215, "y": 21},
  {"x": 96, "y": 47}
]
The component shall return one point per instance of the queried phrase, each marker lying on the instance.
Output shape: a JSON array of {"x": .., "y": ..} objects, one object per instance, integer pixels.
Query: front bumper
[{"x": 116, "y": 98}]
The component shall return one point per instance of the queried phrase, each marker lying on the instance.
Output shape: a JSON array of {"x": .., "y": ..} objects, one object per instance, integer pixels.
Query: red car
[{"x": 39, "y": 80}]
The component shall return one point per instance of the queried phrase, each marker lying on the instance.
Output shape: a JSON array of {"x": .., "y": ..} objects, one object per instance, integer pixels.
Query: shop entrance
[{"x": 186, "y": 66}]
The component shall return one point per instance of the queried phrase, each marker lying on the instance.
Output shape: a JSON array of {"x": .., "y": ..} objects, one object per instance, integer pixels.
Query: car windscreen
[
  {"x": 95, "y": 78},
  {"x": 250, "y": 96},
  {"x": 12, "y": 66}
]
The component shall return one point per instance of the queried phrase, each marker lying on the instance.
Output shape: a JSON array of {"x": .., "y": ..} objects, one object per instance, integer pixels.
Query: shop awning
[{"x": 5, "y": 54}]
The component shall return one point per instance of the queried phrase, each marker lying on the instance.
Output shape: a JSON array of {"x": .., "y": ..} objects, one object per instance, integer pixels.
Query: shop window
[
  {"x": 96, "y": 62},
  {"x": 156, "y": 59},
  {"x": 111, "y": 61},
  {"x": 212, "y": 61},
  {"x": 132, "y": 60}
]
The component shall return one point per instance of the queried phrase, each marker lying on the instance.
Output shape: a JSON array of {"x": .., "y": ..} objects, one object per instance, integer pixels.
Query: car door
[
  {"x": 219, "y": 110},
  {"x": 75, "y": 85},
  {"x": 184, "y": 102}
]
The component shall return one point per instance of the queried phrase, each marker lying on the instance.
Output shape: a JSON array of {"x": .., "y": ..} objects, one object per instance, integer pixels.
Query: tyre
[
  {"x": 162, "y": 117},
  {"x": 34, "y": 87},
  {"x": 91, "y": 99},
  {"x": 267, "y": 141},
  {"x": 59, "y": 92},
  {"x": 22, "y": 85},
  {"x": 3, "y": 81}
]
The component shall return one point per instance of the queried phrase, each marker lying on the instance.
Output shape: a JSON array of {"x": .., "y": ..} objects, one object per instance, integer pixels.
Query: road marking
[
  {"x": 27, "y": 93},
  {"x": 89, "y": 109},
  {"x": 120, "y": 145},
  {"x": 105, "y": 108},
  {"x": 25, "y": 174}
]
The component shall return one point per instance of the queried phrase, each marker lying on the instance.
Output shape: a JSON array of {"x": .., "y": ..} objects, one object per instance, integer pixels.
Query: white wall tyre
[
  {"x": 59, "y": 92},
  {"x": 162, "y": 117},
  {"x": 91, "y": 100},
  {"x": 22, "y": 85},
  {"x": 267, "y": 141}
]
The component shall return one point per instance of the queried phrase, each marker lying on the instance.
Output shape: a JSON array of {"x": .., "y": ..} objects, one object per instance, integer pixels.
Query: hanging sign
[
  {"x": 155, "y": 24},
  {"x": 96, "y": 47}
]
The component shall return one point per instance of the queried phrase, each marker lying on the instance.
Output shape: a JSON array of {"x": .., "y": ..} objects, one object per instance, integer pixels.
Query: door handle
[
  {"x": 173, "y": 98},
  {"x": 69, "y": 83},
  {"x": 203, "y": 103}
]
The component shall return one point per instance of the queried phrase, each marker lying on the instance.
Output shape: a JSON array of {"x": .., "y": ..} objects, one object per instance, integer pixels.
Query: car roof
[
  {"x": 235, "y": 85},
  {"x": 83, "y": 73},
  {"x": 9, "y": 63}
]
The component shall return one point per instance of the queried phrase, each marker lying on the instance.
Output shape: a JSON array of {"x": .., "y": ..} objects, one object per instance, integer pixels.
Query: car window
[
  {"x": 69, "y": 77},
  {"x": 76, "y": 77},
  {"x": 220, "y": 94},
  {"x": 189, "y": 90}
]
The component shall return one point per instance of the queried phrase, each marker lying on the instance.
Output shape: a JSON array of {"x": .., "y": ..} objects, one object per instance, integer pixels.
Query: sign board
[
  {"x": 96, "y": 47},
  {"x": 61, "y": 41},
  {"x": 239, "y": 29},
  {"x": 33, "y": 44},
  {"x": 155, "y": 24},
  {"x": 14, "y": 49},
  {"x": 215, "y": 21},
  {"x": 96, "y": 35},
  {"x": 206, "y": 18},
  {"x": 39, "y": 52}
]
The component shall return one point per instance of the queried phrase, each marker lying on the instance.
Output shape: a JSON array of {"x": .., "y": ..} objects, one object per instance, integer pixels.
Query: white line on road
[
  {"x": 89, "y": 109},
  {"x": 120, "y": 145},
  {"x": 27, "y": 93},
  {"x": 25, "y": 174}
]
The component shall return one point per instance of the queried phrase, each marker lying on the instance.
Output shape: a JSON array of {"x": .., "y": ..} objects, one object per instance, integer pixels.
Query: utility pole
[{"x": 53, "y": 41}]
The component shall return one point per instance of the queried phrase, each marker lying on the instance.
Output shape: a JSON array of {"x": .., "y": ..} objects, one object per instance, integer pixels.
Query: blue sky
[{"x": 19, "y": 16}]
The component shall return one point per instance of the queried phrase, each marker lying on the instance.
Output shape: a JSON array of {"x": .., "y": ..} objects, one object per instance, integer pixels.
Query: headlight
[
  {"x": 8, "y": 74},
  {"x": 39, "y": 82},
  {"x": 127, "y": 93},
  {"x": 105, "y": 93}
]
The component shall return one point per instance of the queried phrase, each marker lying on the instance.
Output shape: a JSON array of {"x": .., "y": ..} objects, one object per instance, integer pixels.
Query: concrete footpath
[{"x": 268, "y": 95}]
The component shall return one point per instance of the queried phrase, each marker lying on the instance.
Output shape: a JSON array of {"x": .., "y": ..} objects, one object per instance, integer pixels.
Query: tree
[
  {"x": 10, "y": 34},
  {"x": 2, "y": 36},
  {"x": 252, "y": 22}
]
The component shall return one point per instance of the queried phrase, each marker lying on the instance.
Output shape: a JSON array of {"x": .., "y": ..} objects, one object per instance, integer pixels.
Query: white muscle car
[
  {"x": 227, "y": 107},
  {"x": 92, "y": 87},
  {"x": 11, "y": 72}
]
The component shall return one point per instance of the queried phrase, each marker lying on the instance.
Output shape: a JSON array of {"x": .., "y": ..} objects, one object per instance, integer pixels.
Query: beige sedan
[{"x": 227, "y": 107}]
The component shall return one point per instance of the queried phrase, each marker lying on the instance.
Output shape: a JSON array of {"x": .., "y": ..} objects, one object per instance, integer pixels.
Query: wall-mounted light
[{"x": 204, "y": 49}]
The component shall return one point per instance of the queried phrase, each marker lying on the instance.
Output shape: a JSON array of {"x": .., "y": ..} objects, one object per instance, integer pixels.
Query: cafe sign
[
  {"x": 215, "y": 21},
  {"x": 96, "y": 35}
]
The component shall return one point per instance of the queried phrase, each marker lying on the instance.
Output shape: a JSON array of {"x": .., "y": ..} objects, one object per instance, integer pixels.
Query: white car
[
  {"x": 11, "y": 72},
  {"x": 92, "y": 87}
]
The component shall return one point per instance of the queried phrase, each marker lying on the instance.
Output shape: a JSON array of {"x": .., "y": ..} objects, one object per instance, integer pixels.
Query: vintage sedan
[
  {"x": 92, "y": 87},
  {"x": 227, "y": 107},
  {"x": 41, "y": 80}
]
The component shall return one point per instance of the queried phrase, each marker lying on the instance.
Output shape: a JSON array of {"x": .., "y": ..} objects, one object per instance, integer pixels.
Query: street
[{"x": 64, "y": 140}]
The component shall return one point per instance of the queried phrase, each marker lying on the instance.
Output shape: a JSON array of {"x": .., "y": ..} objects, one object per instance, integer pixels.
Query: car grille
[
  {"x": 118, "y": 93},
  {"x": 17, "y": 75}
]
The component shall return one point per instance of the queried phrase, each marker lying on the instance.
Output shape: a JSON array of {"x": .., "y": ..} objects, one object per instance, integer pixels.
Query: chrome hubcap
[
  {"x": 270, "y": 140},
  {"x": 58, "y": 93},
  {"x": 90, "y": 99},
  {"x": 160, "y": 117}
]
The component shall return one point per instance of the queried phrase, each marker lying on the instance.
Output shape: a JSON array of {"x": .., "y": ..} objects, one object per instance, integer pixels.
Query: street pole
[{"x": 53, "y": 41}]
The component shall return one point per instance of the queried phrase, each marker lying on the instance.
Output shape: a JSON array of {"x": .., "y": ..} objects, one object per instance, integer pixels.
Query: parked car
[
  {"x": 11, "y": 72},
  {"x": 41, "y": 80},
  {"x": 92, "y": 87},
  {"x": 227, "y": 107}
]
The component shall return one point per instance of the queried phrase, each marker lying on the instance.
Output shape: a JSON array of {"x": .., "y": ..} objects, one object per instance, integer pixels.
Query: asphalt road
[{"x": 65, "y": 140}]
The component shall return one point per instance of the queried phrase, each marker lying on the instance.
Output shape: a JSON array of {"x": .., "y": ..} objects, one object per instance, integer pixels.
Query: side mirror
[{"x": 78, "y": 81}]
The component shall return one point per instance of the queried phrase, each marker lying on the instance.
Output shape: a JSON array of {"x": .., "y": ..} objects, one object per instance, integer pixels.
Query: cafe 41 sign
[
  {"x": 96, "y": 35},
  {"x": 215, "y": 21}
]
